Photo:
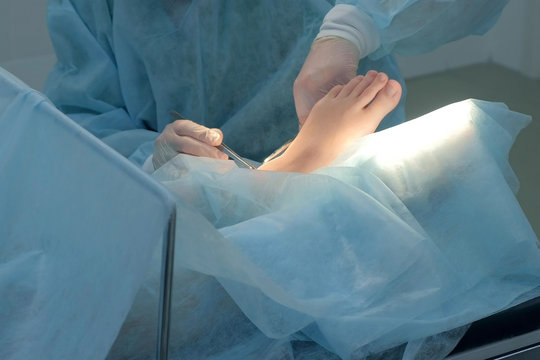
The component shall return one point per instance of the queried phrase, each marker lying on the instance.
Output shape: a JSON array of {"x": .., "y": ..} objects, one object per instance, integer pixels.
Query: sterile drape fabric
[
  {"x": 413, "y": 233},
  {"x": 76, "y": 233}
]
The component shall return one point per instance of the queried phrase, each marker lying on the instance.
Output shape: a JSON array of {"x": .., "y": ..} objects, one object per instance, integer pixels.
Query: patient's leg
[{"x": 345, "y": 114}]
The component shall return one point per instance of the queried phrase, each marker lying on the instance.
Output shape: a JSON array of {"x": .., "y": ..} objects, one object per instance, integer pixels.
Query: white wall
[
  {"x": 25, "y": 48},
  {"x": 26, "y": 51},
  {"x": 513, "y": 42},
  {"x": 516, "y": 42}
]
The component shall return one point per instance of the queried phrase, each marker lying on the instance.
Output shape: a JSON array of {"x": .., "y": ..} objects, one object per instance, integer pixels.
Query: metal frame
[
  {"x": 528, "y": 342},
  {"x": 165, "y": 295}
]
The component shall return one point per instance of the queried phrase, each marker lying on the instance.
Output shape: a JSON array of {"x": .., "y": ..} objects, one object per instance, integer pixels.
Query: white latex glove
[
  {"x": 346, "y": 35},
  {"x": 332, "y": 61},
  {"x": 185, "y": 136}
]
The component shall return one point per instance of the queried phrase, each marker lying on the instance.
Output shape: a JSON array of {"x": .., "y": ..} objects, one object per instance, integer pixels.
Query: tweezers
[
  {"x": 278, "y": 152},
  {"x": 227, "y": 150}
]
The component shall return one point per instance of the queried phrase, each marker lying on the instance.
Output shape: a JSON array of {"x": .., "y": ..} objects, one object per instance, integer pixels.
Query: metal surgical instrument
[{"x": 227, "y": 150}]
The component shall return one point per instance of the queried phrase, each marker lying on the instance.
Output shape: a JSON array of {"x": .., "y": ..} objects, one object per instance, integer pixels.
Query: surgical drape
[
  {"x": 408, "y": 236},
  {"x": 70, "y": 264},
  {"x": 411, "y": 234}
]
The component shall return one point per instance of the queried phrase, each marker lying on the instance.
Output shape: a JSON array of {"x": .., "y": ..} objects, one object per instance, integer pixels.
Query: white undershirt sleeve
[{"x": 350, "y": 23}]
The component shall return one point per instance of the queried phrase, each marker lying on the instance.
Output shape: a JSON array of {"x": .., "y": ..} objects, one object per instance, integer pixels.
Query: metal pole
[{"x": 167, "y": 266}]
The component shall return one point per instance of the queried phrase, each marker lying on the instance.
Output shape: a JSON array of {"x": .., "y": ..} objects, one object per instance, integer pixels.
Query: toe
[
  {"x": 350, "y": 86},
  {"x": 335, "y": 91},
  {"x": 365, "y": 83},
  {"x": 371, "y": 91},
  {"x": 386, "y": 99}
]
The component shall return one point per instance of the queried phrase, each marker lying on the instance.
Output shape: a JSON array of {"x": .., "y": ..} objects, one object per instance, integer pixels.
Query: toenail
[
  {"x": 381, "y": 77},
  {"x": 391, "y": 90}
]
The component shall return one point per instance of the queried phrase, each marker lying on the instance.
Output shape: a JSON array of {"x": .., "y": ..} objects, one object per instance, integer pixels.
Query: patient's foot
[{"x": 344, "y": 115}]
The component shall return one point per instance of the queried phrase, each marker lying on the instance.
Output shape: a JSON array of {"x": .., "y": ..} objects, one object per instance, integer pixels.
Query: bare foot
[{"x": 344, "y": 115}]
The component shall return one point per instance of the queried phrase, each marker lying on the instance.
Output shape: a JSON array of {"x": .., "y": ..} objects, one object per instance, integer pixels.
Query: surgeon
[{"x": 229, "y": 67}]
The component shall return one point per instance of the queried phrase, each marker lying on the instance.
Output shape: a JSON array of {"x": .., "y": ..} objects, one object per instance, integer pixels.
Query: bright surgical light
[
  {"x": 418, "y": 149},
  {"x": 448, "y": 125},
  {"x": 393, "y": 147}
]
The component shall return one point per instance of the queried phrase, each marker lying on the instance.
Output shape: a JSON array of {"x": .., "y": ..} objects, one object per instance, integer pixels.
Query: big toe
[{"x": 386, "y": 99}]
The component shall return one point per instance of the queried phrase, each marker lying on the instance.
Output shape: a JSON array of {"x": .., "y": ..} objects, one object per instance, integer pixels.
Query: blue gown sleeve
[
  {"x": 85, "y": 82},
  {"x": 412, "y": 27}
]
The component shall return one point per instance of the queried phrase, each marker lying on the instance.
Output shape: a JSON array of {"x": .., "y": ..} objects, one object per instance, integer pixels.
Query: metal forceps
[
  {"x": 278, "y": 152},
  {"x": 227, "y": 150}
]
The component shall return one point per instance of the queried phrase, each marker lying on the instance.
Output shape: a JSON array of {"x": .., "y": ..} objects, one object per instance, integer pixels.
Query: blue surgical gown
[
  {"x": 124, "y": 64},
  {"x": 411, "y": 27}
]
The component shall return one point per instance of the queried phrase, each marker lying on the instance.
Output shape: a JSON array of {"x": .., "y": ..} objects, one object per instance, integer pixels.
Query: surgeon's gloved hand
[
  {"x": 332, "y": 61},
  {"x": 346, "y": 34},
  {"x": 188, "y": 137}
]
